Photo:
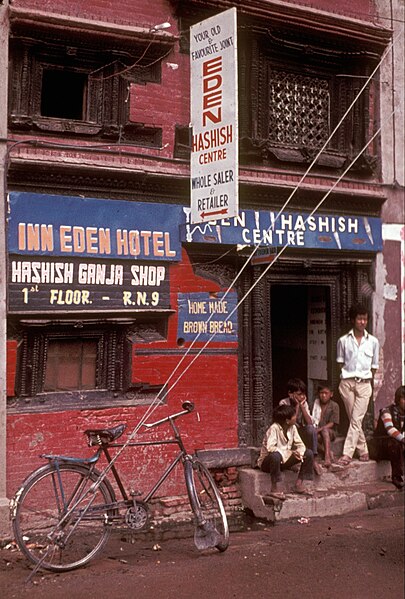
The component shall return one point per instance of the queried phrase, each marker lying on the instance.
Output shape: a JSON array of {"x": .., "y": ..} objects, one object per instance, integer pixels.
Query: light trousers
[{"x": 355, "y": 397}]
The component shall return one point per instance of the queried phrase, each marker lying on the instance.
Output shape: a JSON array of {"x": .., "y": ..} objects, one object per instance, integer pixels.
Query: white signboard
[
  {"x": 214, "y": 118},
  {"x": 317, "y": 340}
]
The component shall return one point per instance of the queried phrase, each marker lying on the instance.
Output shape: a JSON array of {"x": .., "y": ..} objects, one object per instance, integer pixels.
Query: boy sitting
[
  {"x": 325, "y": 416},
  {"x": 297, "y": 398},
  {"x": 282, "y": 448}
]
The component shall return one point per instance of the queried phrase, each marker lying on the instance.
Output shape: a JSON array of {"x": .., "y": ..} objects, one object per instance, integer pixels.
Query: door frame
[{"x": 347, "y": 280}]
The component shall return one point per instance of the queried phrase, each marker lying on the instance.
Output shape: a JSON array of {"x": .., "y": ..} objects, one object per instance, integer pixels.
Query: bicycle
[{"x": 63, "y": 514}]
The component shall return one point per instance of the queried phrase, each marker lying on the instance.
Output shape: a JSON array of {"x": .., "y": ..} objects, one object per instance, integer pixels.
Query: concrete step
[
  {"x": 335, "y": 503},
  {"x": 363, "y": 485},
  {"x": 356, "y": 473}
]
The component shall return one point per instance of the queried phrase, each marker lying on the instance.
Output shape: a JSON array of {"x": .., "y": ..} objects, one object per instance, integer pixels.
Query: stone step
[
  {"x": 334, "y": 503},
  {"x": 362, "y": 485},
  {"x": 356, "y": 473}
]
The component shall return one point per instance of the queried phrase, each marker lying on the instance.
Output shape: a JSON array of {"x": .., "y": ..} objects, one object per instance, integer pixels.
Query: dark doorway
[{"x": 289, "y": 336}]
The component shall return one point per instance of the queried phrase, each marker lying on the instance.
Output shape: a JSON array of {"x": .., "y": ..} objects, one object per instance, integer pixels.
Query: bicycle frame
[
  {"x": 104, "y": 450},
  {"x": 181, "y": 456},
  {"x": 80, "y": 502}
]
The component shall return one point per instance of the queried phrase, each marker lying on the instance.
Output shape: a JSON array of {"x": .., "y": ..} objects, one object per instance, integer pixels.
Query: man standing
[{"x": 357, "y": 356}]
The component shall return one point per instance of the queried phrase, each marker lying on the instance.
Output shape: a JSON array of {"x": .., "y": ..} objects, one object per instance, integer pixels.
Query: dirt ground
[{"x": 360, "y": 555}]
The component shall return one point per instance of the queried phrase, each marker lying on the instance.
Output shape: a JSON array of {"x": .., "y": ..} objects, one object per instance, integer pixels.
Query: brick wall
[
  {"x": 211, "y": 383},
  {"x": 11, "y": 366},
  {"x": 126, "y": 11}
]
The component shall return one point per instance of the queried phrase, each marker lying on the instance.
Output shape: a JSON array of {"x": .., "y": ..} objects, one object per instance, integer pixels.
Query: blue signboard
[
  {"x": 50, "y": 225},
  {"x": 203, "y": 315},
  {"x": 296, "y": 230}
]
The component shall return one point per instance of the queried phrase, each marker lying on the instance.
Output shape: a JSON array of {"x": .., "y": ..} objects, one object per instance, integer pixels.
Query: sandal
[
  {"x": 364, "y": 457},
  {"x": 277, "y": 495},
  {"x": 303, "y": 492},
  {"x": 344, "y": 460},
  {"x": 337, "y": 468}
]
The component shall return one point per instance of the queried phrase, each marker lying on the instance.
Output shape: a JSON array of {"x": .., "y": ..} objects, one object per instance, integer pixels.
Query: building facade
[{"x": 113, "y": 295}]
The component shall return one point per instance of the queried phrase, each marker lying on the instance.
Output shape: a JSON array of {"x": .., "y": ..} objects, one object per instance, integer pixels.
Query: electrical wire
[
  {"x": 270, "y": 265},
  {"x": 159, "y": 397},
  {"x": 282, "y": 209}
]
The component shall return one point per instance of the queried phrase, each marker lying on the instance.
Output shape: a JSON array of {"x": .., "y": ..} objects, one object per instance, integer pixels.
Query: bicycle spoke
[
  {"x": 63, "y": 533},
  {"x": 211, "y": 522}
]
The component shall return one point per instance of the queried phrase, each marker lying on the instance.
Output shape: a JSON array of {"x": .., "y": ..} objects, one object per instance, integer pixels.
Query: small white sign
[{"x": 214, "y": 118}]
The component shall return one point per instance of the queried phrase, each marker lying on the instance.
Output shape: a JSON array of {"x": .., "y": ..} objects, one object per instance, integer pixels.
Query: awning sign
[
  {"x": 293, "y": 229},
  {"x": 51, "y": 225},
  {"x": 214, "y": 118},
  {"x": 264, "y": 255}
]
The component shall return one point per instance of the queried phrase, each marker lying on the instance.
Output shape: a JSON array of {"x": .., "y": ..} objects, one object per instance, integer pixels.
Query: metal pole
[{"x": 4, "y": 37}]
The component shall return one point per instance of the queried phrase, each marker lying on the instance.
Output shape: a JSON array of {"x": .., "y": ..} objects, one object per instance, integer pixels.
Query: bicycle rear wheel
[
  {"x": 53, "y": 526},
  {"x": 210, "y": 517}
]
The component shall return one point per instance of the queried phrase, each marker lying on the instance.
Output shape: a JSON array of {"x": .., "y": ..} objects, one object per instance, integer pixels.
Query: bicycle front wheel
[
  {"x": 209, "y": 512},
  {"x": 56, "y": 523}
]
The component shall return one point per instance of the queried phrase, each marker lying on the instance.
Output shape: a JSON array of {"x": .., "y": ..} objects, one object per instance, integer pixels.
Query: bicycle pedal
[{"x": 135, "y": 493}]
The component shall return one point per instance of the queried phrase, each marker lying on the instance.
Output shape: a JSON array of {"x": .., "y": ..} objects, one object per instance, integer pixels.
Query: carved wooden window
[
  {"x": 298, "y": 110},
  {"x": 71, "y": 89},
  {"x": 294, "y": 91},
  {"x": 73, "y": 359}
]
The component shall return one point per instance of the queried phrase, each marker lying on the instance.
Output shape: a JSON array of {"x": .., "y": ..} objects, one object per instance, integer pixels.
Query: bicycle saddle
[{"x": 103, "y": 436}]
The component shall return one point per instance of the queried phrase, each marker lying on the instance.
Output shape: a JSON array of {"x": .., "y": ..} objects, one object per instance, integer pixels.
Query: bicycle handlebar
[{"x": 187, "y": 406}]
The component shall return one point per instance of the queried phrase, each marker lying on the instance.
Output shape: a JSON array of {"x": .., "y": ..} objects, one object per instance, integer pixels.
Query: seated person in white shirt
[{"x": 282, "y": 448}]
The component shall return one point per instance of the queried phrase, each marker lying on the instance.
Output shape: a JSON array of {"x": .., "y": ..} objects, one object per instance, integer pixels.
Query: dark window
[
  {"x": 70, "y": 87},
  {"x": 182, "y": 142},
  {"x": 63, "y": 94},
  {"x": 74, "y": 358},
  {"x": 71, "y": 364}
]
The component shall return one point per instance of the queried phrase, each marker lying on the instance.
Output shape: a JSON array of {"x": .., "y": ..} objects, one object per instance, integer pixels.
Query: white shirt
[
  {"x": 276, "y": 440},
  {"x": 357, "y": 360}
]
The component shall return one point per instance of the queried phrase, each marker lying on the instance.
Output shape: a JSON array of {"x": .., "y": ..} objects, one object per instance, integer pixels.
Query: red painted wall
[
  {"x": 11, "y": 366},
  {"x": 211, "y": 383},
  {"x": 126, "y": 11}
]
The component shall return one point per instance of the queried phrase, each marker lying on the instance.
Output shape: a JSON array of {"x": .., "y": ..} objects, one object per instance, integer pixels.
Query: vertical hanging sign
[{"x": 214, "y": 118}]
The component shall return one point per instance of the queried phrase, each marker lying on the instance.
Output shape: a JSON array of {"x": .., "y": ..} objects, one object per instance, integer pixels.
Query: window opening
[
  {"x": 298, "y": 110},
  {"x": 71, "y": 364},
  {"x": 63, "y": 94}
]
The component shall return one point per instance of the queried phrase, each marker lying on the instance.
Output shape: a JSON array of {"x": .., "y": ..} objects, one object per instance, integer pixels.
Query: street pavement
[{"x": 360, "y": 555}]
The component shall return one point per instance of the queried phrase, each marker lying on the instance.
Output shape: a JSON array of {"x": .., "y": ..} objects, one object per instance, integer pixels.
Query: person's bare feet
[
  {"x": 317, "y": 468},
  {"x": 300, "y": 489}
]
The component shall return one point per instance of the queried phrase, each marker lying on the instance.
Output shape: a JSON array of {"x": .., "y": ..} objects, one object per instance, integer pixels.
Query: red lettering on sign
[{"x": 212, "y": 90}]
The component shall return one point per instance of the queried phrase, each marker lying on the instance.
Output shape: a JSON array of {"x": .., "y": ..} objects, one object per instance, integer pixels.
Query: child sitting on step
[
  {"x": 325, "y": 416},
  {"x": 283, "y": 448}
]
